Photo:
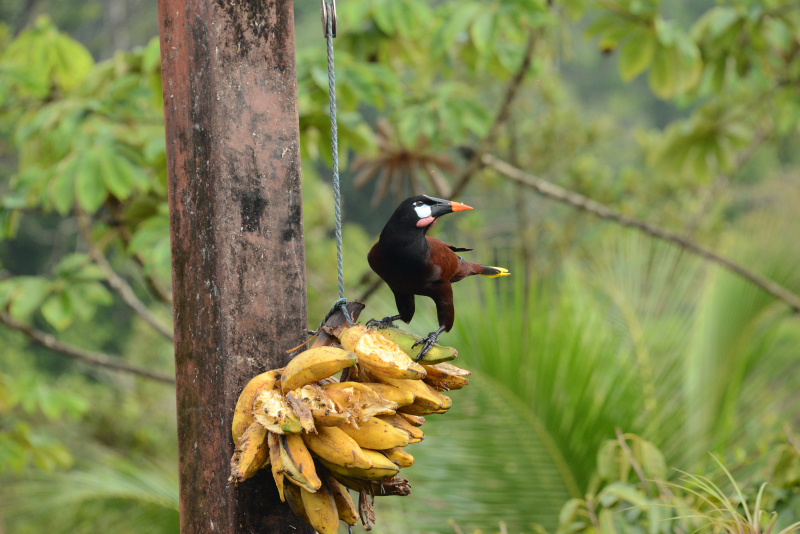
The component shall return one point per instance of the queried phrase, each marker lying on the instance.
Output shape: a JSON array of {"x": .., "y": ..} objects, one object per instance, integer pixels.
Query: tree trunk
[{"x": 233, "y": 156}]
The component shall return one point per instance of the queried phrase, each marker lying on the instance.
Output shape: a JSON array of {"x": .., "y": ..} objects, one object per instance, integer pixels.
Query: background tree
[{"x": 682, "y": 114}]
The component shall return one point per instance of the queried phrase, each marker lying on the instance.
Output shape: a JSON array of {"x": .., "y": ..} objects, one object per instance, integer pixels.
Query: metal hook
[{"x": 332, "y": 4}]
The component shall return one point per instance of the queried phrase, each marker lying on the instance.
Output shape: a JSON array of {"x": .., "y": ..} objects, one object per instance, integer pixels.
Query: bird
[{"x": 413, "y": 263}]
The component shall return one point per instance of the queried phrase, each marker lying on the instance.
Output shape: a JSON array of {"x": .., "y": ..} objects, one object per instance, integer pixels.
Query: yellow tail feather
[{"x": 494, "y": 272}]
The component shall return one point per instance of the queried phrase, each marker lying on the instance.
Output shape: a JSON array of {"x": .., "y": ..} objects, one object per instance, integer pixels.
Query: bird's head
[{"x": 422, "y": 211}]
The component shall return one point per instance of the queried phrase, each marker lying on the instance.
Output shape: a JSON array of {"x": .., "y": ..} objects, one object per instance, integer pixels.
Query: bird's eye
[{"x": 417, "y": 203}]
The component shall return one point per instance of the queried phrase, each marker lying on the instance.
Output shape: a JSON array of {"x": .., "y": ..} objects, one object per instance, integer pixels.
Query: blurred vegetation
[{"x": 684, "y": 114}]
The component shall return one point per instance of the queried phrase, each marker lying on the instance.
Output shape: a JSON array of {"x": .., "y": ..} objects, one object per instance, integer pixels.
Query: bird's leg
[
  {"x": 386, "y": 322},
  {"x": 429, "y": 341}
]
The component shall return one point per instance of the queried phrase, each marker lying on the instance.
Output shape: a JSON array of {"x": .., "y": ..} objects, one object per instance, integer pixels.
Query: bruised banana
[
  {"x": 324, "y": 409},
  {"x": 295, "y": 500},
  {"x": 298, "y": 466},
  {"x": 391, "y": 393},
  {"x": 382, "y": 467},
  {"x": 379, "y": 355},
  {"x": 276, "y": 463},
  {"x": 313, "y": 365},
  {"x": 405, "y": 340},
  {"x": 360, "y": 399},
  {"x": 334, "y": 446},
  {"x": 413, "y": 420},
  {"x": 387, "y": 486},
  {"x": 400, "y": 457},
  {"x": 344, "y": 503},
  {"x": 272, "y": 410},
  {"x": 377, "y": 434},
  {"x": 398, "y": 421},
  {"x": 444, "y": 376},
  {"x": 251, "y": 453},
  {"x": 320, "y": 509},
  {"x": 243, "y": 413}
]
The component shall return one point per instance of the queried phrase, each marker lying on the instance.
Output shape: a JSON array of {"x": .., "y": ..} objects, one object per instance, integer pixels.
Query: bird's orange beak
[{"x": 458, "y": 206}]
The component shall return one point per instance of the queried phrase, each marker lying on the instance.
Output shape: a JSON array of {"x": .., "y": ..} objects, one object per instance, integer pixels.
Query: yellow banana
[
  {"x": 377, "y": 434},
  {"x": 273, "y": 411},
  {"x": 402, "y": 398},
  {"x": 243, "y": 413},
  {"x": 405, "y": 340},
  {"x": 313, "y": 365},
  {"x": 295, "y": 500},
  {"x": 400, "y": 422},
  {"x": 320, "y": 508},
  {"x": 333, "y": 445},
  {"x": 445, "y": 376},
  {"x": 425, "y": 397},
  {"x": 382, "y": 467},
  {"x": 399, "y": 456},
  {"x": 298, "y": 466},
  {"x": 387, "y": 486},
  {"x": 324, "y": 410},
  {"x": 379, "y": 355},
  {"x": 414, "y": 420},
  {"x": 361, "y": 400},
  {"x": 344, "y": 503},
  {"x": 250, "y": 454},
  {"x": 276, "y": 462}
]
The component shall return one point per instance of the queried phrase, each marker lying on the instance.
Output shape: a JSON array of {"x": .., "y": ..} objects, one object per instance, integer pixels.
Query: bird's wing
[
  {"x": 443, "y": 260},
  {"x": 458, "y": 249}
]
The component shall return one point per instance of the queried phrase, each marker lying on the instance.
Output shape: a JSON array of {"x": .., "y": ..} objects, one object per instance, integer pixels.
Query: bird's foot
[
  {"x": 427, "y": 343},
  {"x": 386, "y": 322}
]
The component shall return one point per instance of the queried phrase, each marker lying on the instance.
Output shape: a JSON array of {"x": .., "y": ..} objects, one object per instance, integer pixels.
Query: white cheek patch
[{"x": 423, "y": 211}]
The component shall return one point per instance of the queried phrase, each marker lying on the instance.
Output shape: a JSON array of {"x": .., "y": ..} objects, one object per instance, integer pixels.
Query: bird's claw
[
  {"x": 427, "y": 343},
  {"x": 386, "y": 322}
]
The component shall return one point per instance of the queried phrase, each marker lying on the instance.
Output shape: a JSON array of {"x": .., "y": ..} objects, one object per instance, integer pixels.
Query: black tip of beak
[{"x": 443, "y": 207}]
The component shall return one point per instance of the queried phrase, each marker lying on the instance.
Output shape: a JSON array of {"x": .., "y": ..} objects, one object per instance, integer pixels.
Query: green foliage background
[{"x": 684, "y": 114}]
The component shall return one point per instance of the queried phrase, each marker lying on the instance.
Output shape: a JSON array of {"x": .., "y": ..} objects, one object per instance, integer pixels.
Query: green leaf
[
  {"x": 637, "y": 54},
  {"x": 663, "y": 78},
  {"x": 116, "y": 172},
  {"x": 62, "y": 186},
  {"x": 89, "y": 189},
  {"x": 28, "y": 296},
  {"x": 57, "y": 310},
  {"x": 481, "y": 31},
  {"x": 382, "y": 15}
]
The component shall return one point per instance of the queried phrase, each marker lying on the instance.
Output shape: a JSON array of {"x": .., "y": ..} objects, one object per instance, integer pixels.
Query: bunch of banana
[{"x": 322, "y": 437}]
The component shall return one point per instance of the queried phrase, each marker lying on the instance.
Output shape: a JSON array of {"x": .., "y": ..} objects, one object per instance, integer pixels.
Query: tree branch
[
  {"x": 92, "y": 358},
  {"x": 503, "y": 113},
  {"x": 543, "y": 187},
  {"x": 119, "y": 284}
]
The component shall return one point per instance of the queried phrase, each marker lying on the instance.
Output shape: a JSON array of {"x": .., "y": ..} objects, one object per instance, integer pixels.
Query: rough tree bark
[{"x": 230, "y": 100}]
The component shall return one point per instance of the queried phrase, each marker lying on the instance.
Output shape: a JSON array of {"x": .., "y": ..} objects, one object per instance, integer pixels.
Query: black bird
[{"x": 412, "y": 263}]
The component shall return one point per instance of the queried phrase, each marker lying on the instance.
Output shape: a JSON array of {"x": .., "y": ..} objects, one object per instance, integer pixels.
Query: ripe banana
[
  {"x": 302, "y": 411},
  {"x": 243, "y": 413},
  {"x": 313, "y": 365},
  {"x": 397, "y": 421},
  {"x": 320, "y": 507},
  {"x": 298, "y": 466},
  {"x": 382, "y": 467},
  {"x": 337, "y": 448},
  {"x": 360, "y": 399},
  {"x": 414, "y": 420},
  {"x": 377, "y": 434},
  {"x": 425, "y": 397},
  {"x": 387, "y": 486},
  {"x": 379, "y": 355},
  {"x": 405, "y": 340},
  {"x": 250, "y": 454},
  {"x": 276, "y": 462},
  {"x": 402, "y": 398},
  {"x": 324, "y": 409},
  {"x": 273, "y": 411},
  {"x": 295, "y": 500},
  {"x": 444, "y": 376},
  {"x": 344, "y": 503},
  {"x": 400, "y": 457}
]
